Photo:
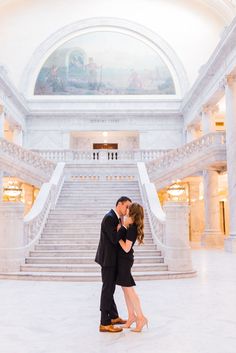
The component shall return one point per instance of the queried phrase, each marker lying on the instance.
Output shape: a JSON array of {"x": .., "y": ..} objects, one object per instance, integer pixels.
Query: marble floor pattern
[{"x": 196, "y": 315}]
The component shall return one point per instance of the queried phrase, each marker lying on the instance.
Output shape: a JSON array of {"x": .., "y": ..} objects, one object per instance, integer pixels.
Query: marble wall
[{"x": 77, "y": 133}]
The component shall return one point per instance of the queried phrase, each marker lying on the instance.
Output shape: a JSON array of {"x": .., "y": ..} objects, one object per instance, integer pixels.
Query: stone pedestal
[
  {"x": 11, "y": 236},
  {"x": 230, "y": 97},
  {"x": 212, "y": 236},
  {"x": 178, "y": 252},
  {"x": 18, "y": 135}
]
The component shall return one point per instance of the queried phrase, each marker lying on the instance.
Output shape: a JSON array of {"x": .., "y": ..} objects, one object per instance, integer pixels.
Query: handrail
[
  {"x": 46, "y": 200},
  {"x": 28, "y": 157},
  {"x": 174, "y": 156},
  {"x": 103, "y": 155},
  {"x": 156, "y": 215}
]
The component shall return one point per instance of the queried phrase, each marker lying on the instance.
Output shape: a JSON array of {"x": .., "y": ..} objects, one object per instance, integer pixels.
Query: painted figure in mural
[
  {"x": 92, "y": 74},
  {"x": 135, "y": 82},
  {"x": 54, "y": 80},
  {"x": 76, "y": 65}
]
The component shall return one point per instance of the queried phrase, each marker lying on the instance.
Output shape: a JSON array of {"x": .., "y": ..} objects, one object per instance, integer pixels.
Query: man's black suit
[{"x": 106, "y": 257}]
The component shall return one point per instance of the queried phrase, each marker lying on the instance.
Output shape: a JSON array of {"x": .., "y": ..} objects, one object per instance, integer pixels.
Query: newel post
[
  {"x": 176, "y": 235},
  {"x": 11, "y": 236}
]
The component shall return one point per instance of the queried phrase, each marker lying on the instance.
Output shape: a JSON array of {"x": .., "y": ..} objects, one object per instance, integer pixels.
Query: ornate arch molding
[{"x": 85, "y": 26}]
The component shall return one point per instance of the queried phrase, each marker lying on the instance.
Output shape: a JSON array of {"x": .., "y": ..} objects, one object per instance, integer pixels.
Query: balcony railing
[{"x": 74, "y": 156}]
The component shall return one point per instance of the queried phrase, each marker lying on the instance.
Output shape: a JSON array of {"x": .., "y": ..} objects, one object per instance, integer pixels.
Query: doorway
[{"x": 105, "y": 146}]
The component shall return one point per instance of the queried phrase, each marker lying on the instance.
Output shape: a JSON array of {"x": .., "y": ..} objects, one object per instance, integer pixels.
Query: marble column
[
  {"x": 18, "y": 135},
  {"x": 1, "y": 185},
  {"x": 196, "y": 218},
  {"x": 230, "y": 119},
  {"x": 208, "y": 119},
  {"x": 1, "y": 121},
  {"x": 1, "y": 135},
  {"x": 212, "y": 236}
]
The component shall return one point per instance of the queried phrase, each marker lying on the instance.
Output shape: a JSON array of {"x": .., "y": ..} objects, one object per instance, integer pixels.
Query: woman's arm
[{"x": 126, "y": 245}]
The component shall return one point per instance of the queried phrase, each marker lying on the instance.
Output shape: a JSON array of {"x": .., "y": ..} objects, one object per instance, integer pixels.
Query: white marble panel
[{"x": 160, "y": 139}]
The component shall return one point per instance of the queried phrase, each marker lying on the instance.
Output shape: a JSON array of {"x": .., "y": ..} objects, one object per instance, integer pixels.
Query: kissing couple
[{"x": 121, "y": 227}]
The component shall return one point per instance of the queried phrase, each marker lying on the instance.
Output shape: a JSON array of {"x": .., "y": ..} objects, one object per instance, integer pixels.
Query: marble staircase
[{"x": 68, "y": 244}]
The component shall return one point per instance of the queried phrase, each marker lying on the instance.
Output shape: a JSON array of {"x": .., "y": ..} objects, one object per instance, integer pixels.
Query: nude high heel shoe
[
  {"x": 140, "y": 325},
  {"x": 130, "y": 322}
]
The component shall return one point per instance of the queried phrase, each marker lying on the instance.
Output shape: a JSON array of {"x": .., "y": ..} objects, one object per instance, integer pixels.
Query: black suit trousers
[{"x": 107, "y": 304}]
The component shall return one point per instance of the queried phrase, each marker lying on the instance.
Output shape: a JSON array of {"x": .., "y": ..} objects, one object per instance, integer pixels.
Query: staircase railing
[
  {"x": 27, "y": 230},
  {"x": 35, "y": 221},
  {"x": 175, "y": 249},
  {"x": 188, "y": 159},
  {"x": 30, "y": 165}
]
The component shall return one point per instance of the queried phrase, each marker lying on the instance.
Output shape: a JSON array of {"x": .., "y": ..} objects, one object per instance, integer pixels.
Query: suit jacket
[{"x": 109, "y": 239}]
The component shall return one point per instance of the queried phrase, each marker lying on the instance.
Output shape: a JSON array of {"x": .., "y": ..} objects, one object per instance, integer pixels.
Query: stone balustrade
[
  {"x": 209, "y": 150},
  {"x": 46, "y": 200},
  {"x": 170, "y": 227},
  {"x": 26, "y": 164},
  {"x": 24, "y": 232},
  {"x": 77, "y": 156}
]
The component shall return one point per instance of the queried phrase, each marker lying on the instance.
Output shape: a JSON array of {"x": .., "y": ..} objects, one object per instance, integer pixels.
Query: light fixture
[
  {"x": 12, "y": 190},
  {"x": 176, "y": 190},
  {"x": 105, "y": 133}
]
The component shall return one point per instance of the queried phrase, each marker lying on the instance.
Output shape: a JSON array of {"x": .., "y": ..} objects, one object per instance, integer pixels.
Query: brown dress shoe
[
  {"x": 118, "y": 321},
  {"x": 109, "y": 328}
]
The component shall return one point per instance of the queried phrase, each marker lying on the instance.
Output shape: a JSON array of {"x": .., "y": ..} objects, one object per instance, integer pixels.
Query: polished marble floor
[{"x": 196, "y": 315}]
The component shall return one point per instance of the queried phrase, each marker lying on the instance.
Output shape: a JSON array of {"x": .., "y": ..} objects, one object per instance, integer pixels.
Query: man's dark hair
[{"x": 123, "y": 199}]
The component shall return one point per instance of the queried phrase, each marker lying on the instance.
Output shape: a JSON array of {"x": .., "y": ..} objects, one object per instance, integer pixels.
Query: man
[{"x": 106, "y": 258}]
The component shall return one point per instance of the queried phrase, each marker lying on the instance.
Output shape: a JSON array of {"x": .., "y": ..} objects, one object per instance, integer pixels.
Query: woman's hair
[{"x": 137, "y": 214}]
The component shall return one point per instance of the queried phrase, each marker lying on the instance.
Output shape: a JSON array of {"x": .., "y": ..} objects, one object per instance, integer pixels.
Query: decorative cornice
[
  {"x": 10, "y": 91},
  {"x": 211, "y": 82}
]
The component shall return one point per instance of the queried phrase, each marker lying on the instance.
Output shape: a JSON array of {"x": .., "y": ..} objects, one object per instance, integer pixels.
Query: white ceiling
[{"x": 227, "y": 6}]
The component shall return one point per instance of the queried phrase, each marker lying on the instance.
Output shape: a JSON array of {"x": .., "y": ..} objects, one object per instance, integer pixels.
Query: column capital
[
  {"x": 210, "y": 109},
  {"x": 230, "y": 80},
  {"x": 16, "y": 127}
]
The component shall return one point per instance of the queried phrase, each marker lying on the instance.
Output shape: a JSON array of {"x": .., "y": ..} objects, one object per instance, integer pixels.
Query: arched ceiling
[{"x": 224, "y": 8}]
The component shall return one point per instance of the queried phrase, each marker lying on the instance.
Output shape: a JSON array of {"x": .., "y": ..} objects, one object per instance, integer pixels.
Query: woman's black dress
[{"x": 125, "y": 260}]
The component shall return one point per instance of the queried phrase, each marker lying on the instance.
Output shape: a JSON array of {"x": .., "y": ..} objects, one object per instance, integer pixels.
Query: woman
[{"x": 135, "y": 225}]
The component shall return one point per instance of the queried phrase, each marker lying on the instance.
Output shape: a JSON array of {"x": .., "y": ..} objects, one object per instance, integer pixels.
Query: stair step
[
  {"x": 77, "y": 240},
  {"x": 94, "y": 246},
  {"x": 90, "y": 277},
  {"x": 78, "y": 235},
  {"x": 87, "y": 268},
  {"x": 85, "y": 260},
  {"x": 84, "y": 253}
]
